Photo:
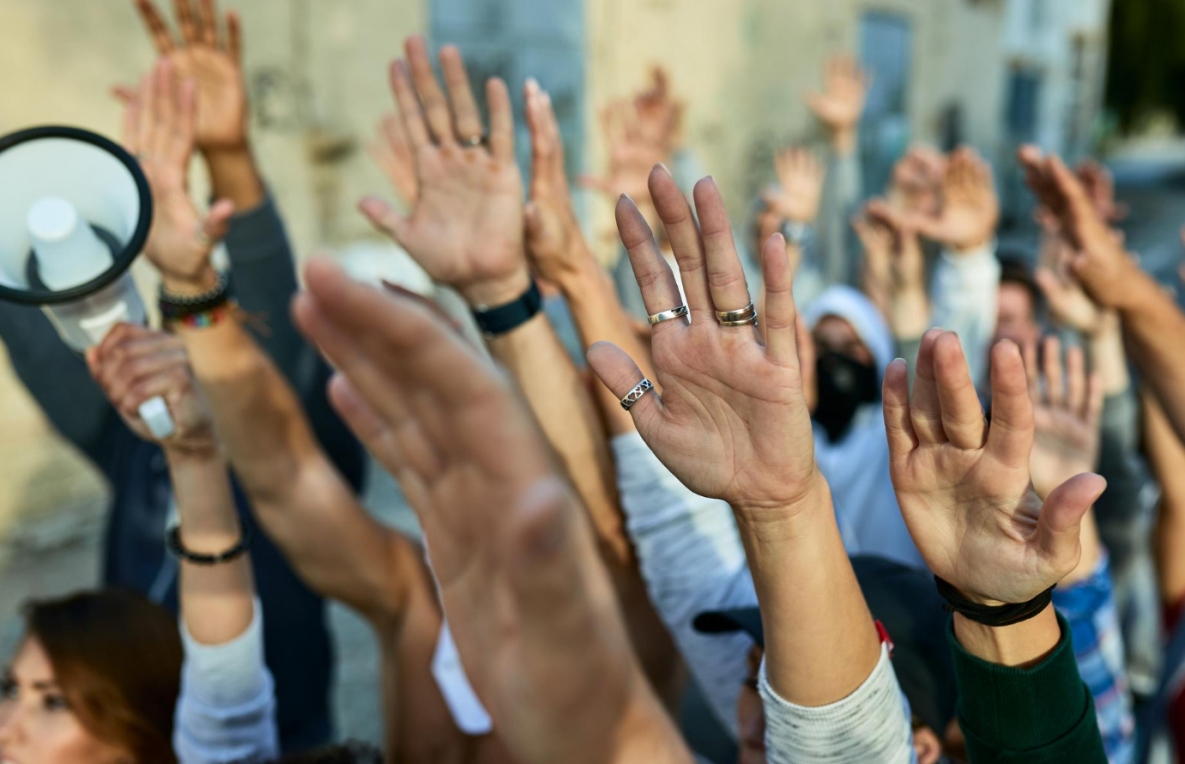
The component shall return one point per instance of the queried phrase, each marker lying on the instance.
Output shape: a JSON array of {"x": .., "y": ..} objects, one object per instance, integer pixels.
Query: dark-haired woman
[{"x": 107, "y": 677}]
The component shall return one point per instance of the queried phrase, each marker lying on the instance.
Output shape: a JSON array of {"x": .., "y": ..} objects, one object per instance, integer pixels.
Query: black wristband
[
  {"x": 176, "y": 306},
  {"x": 991, "y": 615},
  {"x": 504, "y": 318},
  {"x": 178, "y": 550}
]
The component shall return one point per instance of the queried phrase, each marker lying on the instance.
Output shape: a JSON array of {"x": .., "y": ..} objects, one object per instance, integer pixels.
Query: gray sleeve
[
  {"x": 265, "y": 282},
  {"x": 837, "y": 249},
  {"x": 964, "y": 295},
  {"x": 870, "y": 725},
  {"x": 227, "y": 708},
  {"x": 692, "y": 560}
]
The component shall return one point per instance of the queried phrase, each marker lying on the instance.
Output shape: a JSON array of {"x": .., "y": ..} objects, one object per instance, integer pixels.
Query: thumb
[
  {"x": 1061, "y": 516},
  {"x": 384, "y": 218},
  {"x": 217, "y": 222},
  {"x": 532, "y": 219}
]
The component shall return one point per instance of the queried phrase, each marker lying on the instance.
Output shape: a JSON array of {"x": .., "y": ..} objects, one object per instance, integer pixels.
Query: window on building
[
  {"x": 514, "y": 39},
  {"x": 886, "y": 47}
]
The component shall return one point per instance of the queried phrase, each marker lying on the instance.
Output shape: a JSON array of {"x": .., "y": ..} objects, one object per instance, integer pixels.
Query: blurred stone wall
[{"x": 317, "y": 74}]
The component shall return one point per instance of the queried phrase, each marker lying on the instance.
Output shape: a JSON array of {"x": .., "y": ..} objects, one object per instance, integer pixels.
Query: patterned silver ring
[
  {"x": 667, "y": 315},
  {"x": 635, "y": 395}
]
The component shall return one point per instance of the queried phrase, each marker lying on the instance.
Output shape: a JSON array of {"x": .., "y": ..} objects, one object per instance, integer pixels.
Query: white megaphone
[{"x": 75, "y": 210}]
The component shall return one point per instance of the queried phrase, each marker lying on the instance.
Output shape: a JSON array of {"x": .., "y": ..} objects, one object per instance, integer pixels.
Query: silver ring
[
  {"x": 751, "y": 321},
  {"x": 726, "y": 317},
  {"x": 635, "y": 395},
  {"x": 473, "y": 142},
  {"x": 667, "y": 315}
]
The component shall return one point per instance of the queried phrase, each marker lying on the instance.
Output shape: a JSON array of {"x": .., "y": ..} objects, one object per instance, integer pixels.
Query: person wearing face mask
[{"x": 853, "y": 347}]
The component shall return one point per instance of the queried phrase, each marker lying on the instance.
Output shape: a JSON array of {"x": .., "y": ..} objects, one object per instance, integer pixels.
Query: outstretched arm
[
  {"x": 1152, "y": 323},
  {"x": 533, "y": 612},
  {"x": 227, "y": 707},
  {"x": 466, "y": 230},
  {"x": 965, "y": 492},
  {"x": 732, "y": 423}
]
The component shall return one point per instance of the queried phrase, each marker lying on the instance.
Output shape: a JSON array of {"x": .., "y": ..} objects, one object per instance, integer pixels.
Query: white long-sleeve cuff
[
  {"x": 228, "y": 674},
  {"x": 870, "y": 725}
]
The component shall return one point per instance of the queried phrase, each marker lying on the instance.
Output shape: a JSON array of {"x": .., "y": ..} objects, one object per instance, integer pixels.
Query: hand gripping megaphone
[{"x": 75, "y": 210}]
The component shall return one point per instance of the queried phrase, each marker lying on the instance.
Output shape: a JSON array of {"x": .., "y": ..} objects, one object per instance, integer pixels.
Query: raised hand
[
  {"x": 916, "y": 185},
  {"x": 393, "y": 154},
  {"x": 904, "y": 273},
  {"x": 211, "y": 57},
  {"x": 534, "y": 617},
  {"x": 631, "y": 154},
  {"x": 732, "y": 420},
  {"x": 134, "y": 364},
  {"x": 800, "y": 185},
  {"x": 964, "y": 485},
  {"x": 1099, "y": 185},
  {"x": 1099, "y": 261},
  {"x": 466, "y": 227},
  {"x": 158, "y": 129},
  {"x": 1069, "y": 305},
  {"x": 970, "y": 208},
  {"x": 1067, "y": 404},
  {"x": 555, "y": 243},
  {"x": 841, "y": 102},
  {"x": 659, "y": 113}
]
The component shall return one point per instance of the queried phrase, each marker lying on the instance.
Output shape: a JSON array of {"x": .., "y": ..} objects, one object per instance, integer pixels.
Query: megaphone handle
[{"x": 154, "y": 412}]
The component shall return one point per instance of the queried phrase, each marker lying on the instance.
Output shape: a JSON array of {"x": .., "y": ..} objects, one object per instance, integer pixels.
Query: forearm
[
  {"x": 964, "y": 296},
  {"x": 1153, "y": 327},
  {"x": 561, "y": 403},
  {"x": 300, "y": 500},
  {"x": 1166, "y": 455},
  {"x": 692, "y": 561},
  {"x": 234, "y": 176},
  {"x": 599, "y": 317},
  {"x": 216, "y": 600},
  {"x": 1108, "y": 358},
  {"x": 820, "y": 641},
  {"x": 1020, "y": 695}
]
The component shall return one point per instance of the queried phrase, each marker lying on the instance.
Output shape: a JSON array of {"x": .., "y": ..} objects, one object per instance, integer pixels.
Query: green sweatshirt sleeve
[{"x": 1033, "y": 715}]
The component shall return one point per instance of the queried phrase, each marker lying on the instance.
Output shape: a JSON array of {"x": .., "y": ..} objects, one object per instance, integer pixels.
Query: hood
[{"x": 852, "y": 306}]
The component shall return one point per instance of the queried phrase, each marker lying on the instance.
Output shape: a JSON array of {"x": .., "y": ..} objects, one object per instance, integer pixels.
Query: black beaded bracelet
[
  {"x": 174, "y": 307},
  {"x": 991, "y": 615},
  {"x": 178, "y": 550}
]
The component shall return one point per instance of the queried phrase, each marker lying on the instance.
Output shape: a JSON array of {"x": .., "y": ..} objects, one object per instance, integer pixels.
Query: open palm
[
  {"x": 466, "y": 227},
  {"x": 213, "y": 59},
  {"x": 533, "y": 613},
  {"x": 963, "y": 485},
  {"x": 732, "y": 420}
]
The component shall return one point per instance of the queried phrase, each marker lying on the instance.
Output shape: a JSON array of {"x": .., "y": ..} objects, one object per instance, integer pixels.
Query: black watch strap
[
  {"x": 504, "y": 318},
  {"x": 991, "y": 615}
]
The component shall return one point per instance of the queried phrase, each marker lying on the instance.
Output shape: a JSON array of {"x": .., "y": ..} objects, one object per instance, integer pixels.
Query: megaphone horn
[{"x": 75, "y": 211}]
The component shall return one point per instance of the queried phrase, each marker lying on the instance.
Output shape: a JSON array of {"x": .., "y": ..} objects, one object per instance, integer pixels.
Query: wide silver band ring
[
  {"x": 635, "y": 395},
  {"x": 473, "y": 141},
  {"x": 743, "y": 314},
  {"x": 751, "y": 321},
  {"x": 667, "y": 315}
]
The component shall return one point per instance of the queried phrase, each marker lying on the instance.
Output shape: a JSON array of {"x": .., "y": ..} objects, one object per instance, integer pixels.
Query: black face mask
[{"x": 845, "y": 385}]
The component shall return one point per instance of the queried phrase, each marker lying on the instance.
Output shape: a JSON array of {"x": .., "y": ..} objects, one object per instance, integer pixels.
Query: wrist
[
  {"x": 1019, "y": 645},
  {"x": 185, "y": 284},
  {"x": 234, "y": 175},
  {"x": 194, "y": 453},
  {"x": 495, "y": 292},
  {"x": 843, "y": 140},
  {"x": 771, "y": 519}
]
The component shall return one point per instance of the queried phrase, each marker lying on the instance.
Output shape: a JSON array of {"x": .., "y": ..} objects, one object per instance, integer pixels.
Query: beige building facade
[{"x": 317, "y": 74}]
